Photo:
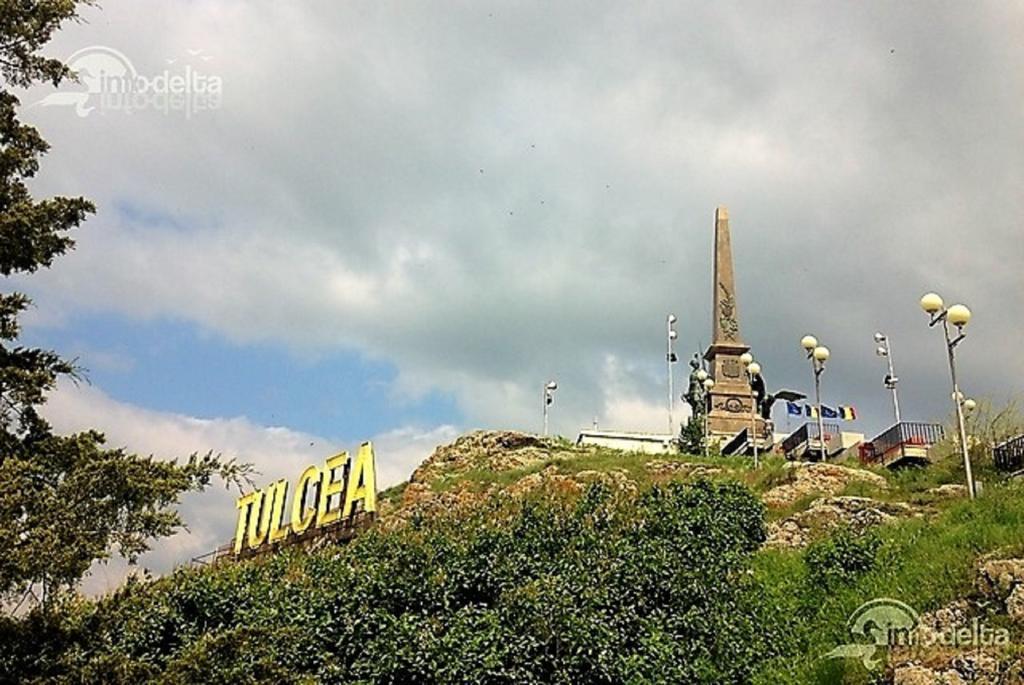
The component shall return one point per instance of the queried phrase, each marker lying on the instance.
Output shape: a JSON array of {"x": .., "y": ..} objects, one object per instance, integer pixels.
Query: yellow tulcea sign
[{"x": 323, "y": 496}]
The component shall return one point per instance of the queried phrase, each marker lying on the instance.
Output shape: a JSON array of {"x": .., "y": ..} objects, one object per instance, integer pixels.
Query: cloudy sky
[{"x": 398, "y": 220}]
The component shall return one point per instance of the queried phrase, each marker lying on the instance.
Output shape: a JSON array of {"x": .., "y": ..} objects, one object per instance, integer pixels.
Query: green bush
[
  {"x": 652, "y": 588},
  {"x": 841, "y": 558}
]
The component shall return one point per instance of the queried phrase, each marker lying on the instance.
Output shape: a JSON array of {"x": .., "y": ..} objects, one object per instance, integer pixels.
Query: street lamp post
[
  {"x": 958, "y": 315},
  {"x": 708, "y": 384},
  {"x": 549, "y": 397},
  {"x": 818, "y": 355},
  {"x": 752, "y": 369},
  {"x": 670, "y": 357},
  {"x": 884, "y": 349}
]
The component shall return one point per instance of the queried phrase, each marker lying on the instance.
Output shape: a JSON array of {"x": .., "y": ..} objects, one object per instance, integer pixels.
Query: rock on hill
[
  {"x": 483, "y": 464},
  {"x": 485, "y": 450},
  {"x": 810, "y": 499}
]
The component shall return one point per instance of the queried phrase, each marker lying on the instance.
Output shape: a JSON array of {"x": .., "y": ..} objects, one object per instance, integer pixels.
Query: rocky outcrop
[
  {"x": 681, "y": 470},
  {"x": 949, "y": 490},
  {"x": 948, "y": 618},
  {"x": 829, "y": 513},
  {"x": 999, "y": 586},
  {"x": 1002, "y": 581},
  {"x": 616, "y": 479},
  {"x": 976, "y": 668},
  {"x": 426, "y": 498},
  {"x": 548, "y": 478},
  {"x": 818, "y": 479},
  {"x": 419, "y": 499},
  {"x": 485, "y": 450}
]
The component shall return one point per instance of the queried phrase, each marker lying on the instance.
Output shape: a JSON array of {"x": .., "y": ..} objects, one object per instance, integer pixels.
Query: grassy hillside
[{"x": 510, "y": 558}]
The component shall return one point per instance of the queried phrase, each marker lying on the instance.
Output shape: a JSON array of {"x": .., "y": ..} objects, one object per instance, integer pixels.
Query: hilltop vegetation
[{"x": 513, "y": 559}]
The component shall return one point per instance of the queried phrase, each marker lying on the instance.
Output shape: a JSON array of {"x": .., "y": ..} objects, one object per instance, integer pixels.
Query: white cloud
[
  {"x": 627, "y": 408},
  {"x": 276, "y": 452}
]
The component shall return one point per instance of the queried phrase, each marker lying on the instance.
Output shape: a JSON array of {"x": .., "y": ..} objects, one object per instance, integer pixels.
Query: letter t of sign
[{"x": 244, "y": 505}]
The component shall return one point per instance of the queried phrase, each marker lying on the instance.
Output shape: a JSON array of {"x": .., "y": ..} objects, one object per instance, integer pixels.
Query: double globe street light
[
  {"x": 708, "y": 383},
  {"x": 958, "y": 315},
  {"x": 818, "y": 355},
  {"x": 752, "y": 369}
]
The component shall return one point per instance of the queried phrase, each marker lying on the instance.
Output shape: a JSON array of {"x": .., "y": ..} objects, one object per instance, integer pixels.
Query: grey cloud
[{"x": 867, "y": 153}]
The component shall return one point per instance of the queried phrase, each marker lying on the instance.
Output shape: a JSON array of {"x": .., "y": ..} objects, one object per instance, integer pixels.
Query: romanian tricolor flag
[{"x": 848, "y": 413}]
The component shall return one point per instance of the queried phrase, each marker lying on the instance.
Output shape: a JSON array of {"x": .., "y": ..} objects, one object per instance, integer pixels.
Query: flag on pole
[
  {"x": 828, "y": 412},
  {"x": 793, "y": 409},
  {"x": 848, "y": 413},
  {"x": 812, "y": 411}
]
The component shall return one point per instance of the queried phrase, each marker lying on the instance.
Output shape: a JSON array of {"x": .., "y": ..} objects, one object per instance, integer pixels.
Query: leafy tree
[
  {"x": 691, "y": 436},
  {"x": 65, "y": 501}
]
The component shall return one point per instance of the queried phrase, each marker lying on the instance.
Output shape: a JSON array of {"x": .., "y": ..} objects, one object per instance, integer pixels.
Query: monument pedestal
[{"x": 731, "y": 400}]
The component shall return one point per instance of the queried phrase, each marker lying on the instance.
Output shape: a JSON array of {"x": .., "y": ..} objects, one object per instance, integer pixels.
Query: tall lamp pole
[
  {"x": 708, "y": 384},
  {"x": 549, "y": 397},
  {"x": 958, "y": 315},
  {"x": 884, "y": 349},
  {"x": 752, "y": 369},
  {"x": 670, "y": 357},
  {"x": 818, "y": 355}
]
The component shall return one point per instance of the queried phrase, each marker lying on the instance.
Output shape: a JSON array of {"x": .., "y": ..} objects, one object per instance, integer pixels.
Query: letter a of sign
[{"x": 362, "y": 481}]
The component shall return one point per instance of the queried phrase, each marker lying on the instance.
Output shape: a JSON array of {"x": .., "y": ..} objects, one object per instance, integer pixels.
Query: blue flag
[
  {"x": 828, "y": 412},
  {"x": 793, "y": 409}
]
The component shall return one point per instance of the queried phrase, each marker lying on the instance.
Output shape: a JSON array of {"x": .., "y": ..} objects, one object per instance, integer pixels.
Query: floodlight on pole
[
  {"x": 670, "y": 357},
  {"x": 549, "y": 396},
  {"x": 884, "y": 349},
  {"x": 818, "y": 355},
  {"x": 959, "y": 316}
]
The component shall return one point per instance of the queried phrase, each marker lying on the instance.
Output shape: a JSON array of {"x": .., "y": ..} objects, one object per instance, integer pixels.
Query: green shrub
[
  {"x": 608, "y": 588},
  {"x": 841, "y": 558}
]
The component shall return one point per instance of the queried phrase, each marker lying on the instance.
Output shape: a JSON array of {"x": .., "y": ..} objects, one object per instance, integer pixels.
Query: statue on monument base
[{"x": 691, "y": 437}]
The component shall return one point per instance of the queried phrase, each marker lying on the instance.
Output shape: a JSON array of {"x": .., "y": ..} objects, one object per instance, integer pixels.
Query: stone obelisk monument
[{"x": 731, "y": 403}]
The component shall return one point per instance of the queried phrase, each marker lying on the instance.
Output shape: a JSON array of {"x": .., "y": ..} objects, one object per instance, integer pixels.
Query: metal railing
[
  {"x": 341, "y": 532},
  {"x": 213, "y": 556},
  {"x": 907, "y": 433},
  {"x": 804, "y": 434},
  {"x": 1009, "y": 454}
]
